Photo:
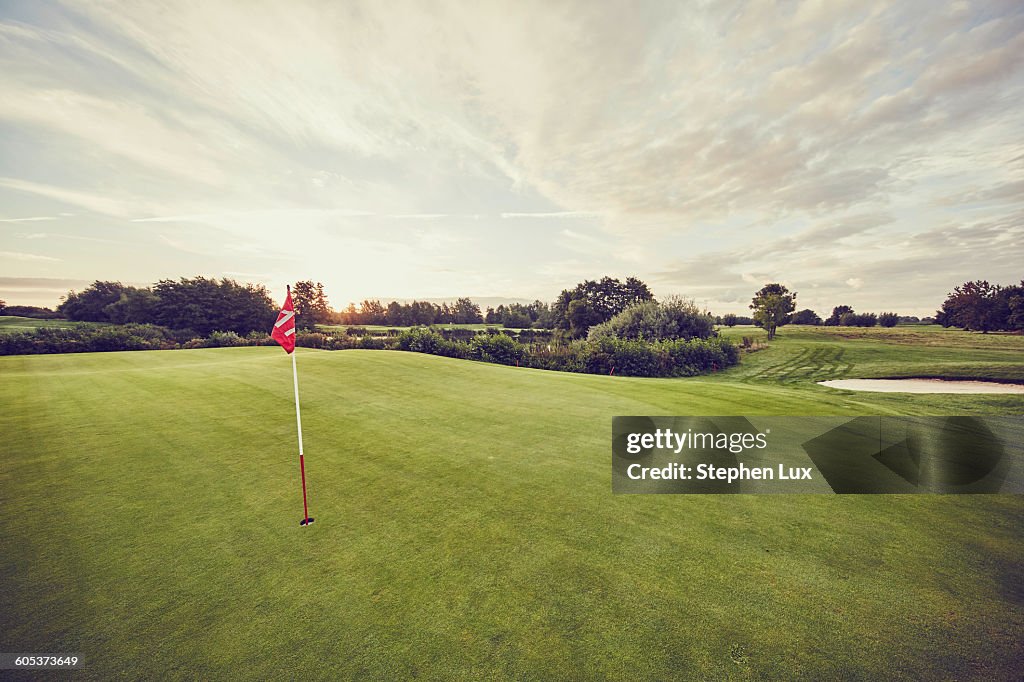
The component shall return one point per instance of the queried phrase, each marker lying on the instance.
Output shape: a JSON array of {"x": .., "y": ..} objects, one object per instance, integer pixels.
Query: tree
[
  {"x": 729, "y": 320},
  {"x": 976, "y": 306},
  {"x": 888, "y": 319},
  {"x": 1014, "y": 295},
  {"x": 134, "y": 305},
  {"x": 206, "y": 305},
  {"x": 91, "y": 304},
  {"x": 3, "y": 305},
  {"x": 675, "y": 318},
  {"x": 395, "y": 315},
  {"x": 858, "y": 320},
  {"x": 806, "y": 316},
  {"x": 592, "y": 302},
  {"x": 837, "y": 313},
  {"x": 311, "y": 307},
  {"x": 466, "y": 312},
  {"x": 541, "y": 314},
  {"x": 580, "y": 317},
  {"x": 772, "y": 306},
  {"x": 372, "y": 312},
  {"x": 349, "y": 315}
]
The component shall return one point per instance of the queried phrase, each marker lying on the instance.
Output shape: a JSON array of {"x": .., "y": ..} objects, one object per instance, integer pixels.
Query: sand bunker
[{"x": 923, "y": 386}]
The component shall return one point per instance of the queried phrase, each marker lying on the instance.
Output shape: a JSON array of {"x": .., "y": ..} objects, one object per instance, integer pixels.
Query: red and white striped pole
[
  {"x": 306, "y": 520},
  {"x": 284, "y": 333}
]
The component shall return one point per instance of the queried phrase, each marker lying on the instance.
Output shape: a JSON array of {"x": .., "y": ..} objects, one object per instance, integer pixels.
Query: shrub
[
  {"x": 498, "y": 348},
  {"x": 806, "y": 316},
  {"x": 858, "y": 320},
  {"x": 676, "y": 318},
  {"x": 259, "y": 339},
  {"x": 371, "y": 343},
  {"x": 224, "y": 340},
  {"x": 419, "y": 340},
  {"x": 86, "y": 339}
]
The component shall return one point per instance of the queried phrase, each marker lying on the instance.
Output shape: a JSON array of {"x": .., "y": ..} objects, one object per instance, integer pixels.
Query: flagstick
[{"x": 302, "y": 462}]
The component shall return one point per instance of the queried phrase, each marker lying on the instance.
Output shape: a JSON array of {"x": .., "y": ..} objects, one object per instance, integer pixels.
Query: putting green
[{"x": 466, "y": 528}]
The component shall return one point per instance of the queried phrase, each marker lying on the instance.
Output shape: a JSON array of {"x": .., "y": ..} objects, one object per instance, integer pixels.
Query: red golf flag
[{"x": 284, "y": 328}]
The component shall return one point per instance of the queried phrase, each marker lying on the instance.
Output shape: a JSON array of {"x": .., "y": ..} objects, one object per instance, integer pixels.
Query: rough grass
[{"x": 149, "y": 511}]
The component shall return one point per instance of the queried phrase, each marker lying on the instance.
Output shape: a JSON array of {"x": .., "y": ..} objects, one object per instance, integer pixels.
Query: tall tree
[
  {"x": 372, "y": 312},
  {"x": 311, "y": 307},
  {"x": 592, "y": 302},
  {"x": 976, "y": 306},
  {"x": 466, "y": 312},
  {"x": 90, "y": 305},
  {"x": 206, "y": 305},
  {"x": 1014, "y": 295},
  {"x": 772, "y": 306}
]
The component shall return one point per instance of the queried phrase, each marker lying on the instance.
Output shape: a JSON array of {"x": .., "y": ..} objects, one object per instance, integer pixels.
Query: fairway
[
  {"x": 149, "y": 509},
  {"x": 10, "y": 324}
]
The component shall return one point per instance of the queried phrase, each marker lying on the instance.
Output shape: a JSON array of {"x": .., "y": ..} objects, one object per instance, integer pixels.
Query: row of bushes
[
  {"x": 105, "y": 338},
  {"x": 605, "y": 355},
  {"x": 666, "y": 358}
]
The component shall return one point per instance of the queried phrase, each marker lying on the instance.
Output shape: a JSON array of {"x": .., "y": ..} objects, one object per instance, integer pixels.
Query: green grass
[
  {"x": 149, "y": 511},
  {"x": 13, "y": 323},
  {"x": 811, "y": 354}
]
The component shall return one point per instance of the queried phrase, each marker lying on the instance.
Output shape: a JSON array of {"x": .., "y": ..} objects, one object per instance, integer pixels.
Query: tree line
[
  {"x": 396, "y": 314},
  {"x": 574, "y": 311},
  {"x": 204, "y": 305},
  {"x": 199, "y": 305}
]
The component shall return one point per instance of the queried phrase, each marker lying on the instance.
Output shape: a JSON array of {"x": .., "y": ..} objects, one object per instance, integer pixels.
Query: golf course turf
[{"x": 465, "y": 525}]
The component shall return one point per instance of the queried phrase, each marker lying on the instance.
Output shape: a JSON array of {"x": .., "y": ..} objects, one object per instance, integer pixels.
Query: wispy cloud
[
  {"x": 93, "y": 202},
  {"x": 554, "y": 214},
  {"x": 33, "y": 219},
  {"x": 18, "y": 255}
]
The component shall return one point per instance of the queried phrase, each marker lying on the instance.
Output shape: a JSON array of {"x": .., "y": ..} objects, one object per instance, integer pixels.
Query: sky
[{"x": 862, "y": 153}]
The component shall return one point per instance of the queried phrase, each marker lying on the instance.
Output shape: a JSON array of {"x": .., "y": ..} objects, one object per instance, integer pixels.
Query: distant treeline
[
  {"x": 462, "y": 311},
  {"x": 29, "y": 311},
  {"x": 202, "y": 305},
  {"x": 574, "y": 310},
  {"x": 842, "y": 315}
]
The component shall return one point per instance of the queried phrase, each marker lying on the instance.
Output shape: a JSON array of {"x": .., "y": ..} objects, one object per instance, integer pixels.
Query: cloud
[
  {"x": 699, "y": 143},
  {"x": 17, "y": 255},
  {"x": 554, "y": 214},
  {"x": 26, "y": 220},
  {"x": 90, "y": 201}
]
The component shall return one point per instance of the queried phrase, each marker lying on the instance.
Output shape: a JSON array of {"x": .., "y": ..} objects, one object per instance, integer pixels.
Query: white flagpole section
[{"x": 298, "y": 415}]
